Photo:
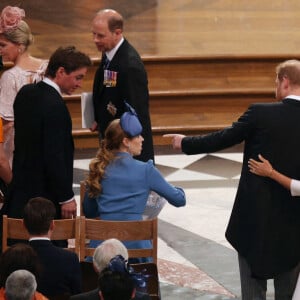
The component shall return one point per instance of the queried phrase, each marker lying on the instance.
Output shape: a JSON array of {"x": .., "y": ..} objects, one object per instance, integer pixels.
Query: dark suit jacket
[
  {"x": 60, "y": 269},
  {"x": 43, "y": 157},
  {"x": 94, "y": 295},
  {"x": 264, "y": 226},
  {"x": 132, "y": 86}
]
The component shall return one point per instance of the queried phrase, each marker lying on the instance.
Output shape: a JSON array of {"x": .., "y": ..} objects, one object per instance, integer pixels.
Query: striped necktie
[{"x": 106, "y": 62}]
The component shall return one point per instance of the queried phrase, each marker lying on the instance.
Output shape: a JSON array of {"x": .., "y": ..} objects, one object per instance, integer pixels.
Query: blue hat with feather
[
  {"x": 130, "y": 123},
  {"x": 119, "y": 264}
]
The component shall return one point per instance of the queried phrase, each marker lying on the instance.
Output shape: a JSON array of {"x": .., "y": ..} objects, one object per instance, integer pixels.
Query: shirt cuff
[
  {"x": 295, "y": 187},
  {"x": 67, "y": 201}
]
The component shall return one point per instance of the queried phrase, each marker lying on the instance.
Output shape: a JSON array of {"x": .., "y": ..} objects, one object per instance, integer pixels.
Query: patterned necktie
[{"x": 106, "y": 62}]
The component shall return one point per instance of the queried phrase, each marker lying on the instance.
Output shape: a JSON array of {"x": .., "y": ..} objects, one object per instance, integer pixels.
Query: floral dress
[{"x": 11, "y": 82}]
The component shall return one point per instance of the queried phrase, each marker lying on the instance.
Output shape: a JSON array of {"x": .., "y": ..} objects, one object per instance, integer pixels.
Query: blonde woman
[
  {"x": 118, "y": 185},
  {"x": 15, "y": 39}
]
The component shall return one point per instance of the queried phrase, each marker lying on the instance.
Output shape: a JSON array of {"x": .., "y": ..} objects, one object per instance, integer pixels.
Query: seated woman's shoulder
[{"x": 148, "y": 163}]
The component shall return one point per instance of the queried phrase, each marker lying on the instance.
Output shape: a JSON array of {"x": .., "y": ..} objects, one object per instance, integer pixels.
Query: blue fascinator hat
[
  {"x": 130, "y": 123},
  {"x": 119, "y": 264}
]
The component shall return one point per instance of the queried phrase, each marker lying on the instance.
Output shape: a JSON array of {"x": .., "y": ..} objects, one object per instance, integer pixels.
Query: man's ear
[
  {"x": 126, "y": 142},
  {"x": 286, "y": 82},
  {"x": 118, "y": 31},
  {"x": 60, "y": 72}
]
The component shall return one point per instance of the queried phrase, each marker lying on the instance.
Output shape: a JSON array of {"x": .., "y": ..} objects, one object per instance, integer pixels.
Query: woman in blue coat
[{"x": 118, "y": 185}]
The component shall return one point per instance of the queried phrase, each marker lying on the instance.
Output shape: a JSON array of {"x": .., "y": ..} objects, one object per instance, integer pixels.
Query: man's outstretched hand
[{"x": 176, "y": 139}]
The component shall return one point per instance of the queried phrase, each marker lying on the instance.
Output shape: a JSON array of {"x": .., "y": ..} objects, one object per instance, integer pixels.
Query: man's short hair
[
  {"x": 115, "y": 285},
  {"x": 69, "y": 58},
  {"x": 20, "y": 285},
  {"x": 291, "y": 70},
  {"x": 39, "y": 212},
  {"x": 114, "y": 19},
  {"x": 106, "y": 251}
]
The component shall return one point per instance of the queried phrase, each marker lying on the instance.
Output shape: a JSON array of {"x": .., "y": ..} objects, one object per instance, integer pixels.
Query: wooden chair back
[
  {"x": 151, "y": 273},
  {"x": 81, "y": 198},
  {"x": 68, "y": 229},
  {"x": 64, "y": 229},
  {"x": 12, "y": 229},
  {"x": 94, "y": 229}
]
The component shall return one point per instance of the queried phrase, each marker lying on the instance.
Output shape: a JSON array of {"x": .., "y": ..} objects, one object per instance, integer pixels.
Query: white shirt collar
[
  {"x": 110, "y": 54},
  {"x": 295, "y": 97},
  {"x": 53, "y": 84},
  {"x": 39, "y": 238}
]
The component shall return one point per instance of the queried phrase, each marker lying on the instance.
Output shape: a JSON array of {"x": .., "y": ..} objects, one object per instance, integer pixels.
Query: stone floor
[{"x": 195, "y": 260}]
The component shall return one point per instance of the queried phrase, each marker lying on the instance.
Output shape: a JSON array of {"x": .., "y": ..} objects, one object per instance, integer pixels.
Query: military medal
[
  {"x": 111, "y": 108},
  {"x": 110, "y": 78}
]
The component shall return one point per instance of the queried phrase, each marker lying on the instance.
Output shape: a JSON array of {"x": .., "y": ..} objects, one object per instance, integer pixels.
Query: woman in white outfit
[{"x": 15, "y": 39}]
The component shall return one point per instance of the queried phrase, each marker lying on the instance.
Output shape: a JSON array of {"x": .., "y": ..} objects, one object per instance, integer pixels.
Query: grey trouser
[{"x": 256, "y": 289}]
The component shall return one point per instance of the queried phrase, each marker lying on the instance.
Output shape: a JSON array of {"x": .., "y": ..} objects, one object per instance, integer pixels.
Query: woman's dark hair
[
  {"x": 18, "y": 256},
  {"x": 115, "y": 285}
]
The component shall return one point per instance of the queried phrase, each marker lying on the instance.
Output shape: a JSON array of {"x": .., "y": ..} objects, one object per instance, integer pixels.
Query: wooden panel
[
  {"x": 203, "y": 71},
  {"x": 190, "y": 73},
  {"x": 171, "y": 27},
  {"x": 197, "y": 102}
]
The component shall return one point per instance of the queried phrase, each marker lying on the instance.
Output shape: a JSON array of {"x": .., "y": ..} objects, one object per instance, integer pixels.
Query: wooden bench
[
  {"x": 187, "y": 112},
  {"x": 192, "y": 94}
]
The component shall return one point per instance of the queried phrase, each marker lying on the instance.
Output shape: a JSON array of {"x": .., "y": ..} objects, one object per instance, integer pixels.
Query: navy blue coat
[{"x": 61, "y": 273}]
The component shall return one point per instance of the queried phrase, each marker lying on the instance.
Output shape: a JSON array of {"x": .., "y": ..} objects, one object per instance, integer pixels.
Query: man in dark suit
[
  {"x": 60, "y": 268},
  {"x": 120, "y": 77},
  {"x": 264, "y": 226},
  {"x": 43, "y": 156}
]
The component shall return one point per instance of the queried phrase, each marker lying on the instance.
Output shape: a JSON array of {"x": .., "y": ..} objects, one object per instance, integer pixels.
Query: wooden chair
[
  {"x": 68, "y": 229},
  {"x": 151, "y": 273},
  {"x": 64, "y": 229},
  {"x": 82, "y": 192},
  {"x": 122, "y": 230},
  {"x": 12, "y": 229}
]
